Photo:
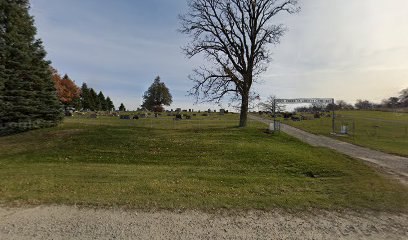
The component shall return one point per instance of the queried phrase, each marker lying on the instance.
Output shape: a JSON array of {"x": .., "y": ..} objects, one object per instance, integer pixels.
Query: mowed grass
[
  {"x": 384, "y": 131},
  {"x": 161, "y": 164}
]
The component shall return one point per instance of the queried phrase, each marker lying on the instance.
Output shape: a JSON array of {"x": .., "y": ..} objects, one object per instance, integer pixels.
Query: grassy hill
[{"x": 205, "y": 163}]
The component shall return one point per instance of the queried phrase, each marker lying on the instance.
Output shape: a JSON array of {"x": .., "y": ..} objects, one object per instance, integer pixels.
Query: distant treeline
[
  {"x": 396, "y": 102},
  {"x": 84, "y": 98}
]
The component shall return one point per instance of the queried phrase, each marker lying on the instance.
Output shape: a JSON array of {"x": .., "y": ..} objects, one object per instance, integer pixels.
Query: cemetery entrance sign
[
  {"x": 325, "y": 101},
  {"x": 305, "y": 100}
]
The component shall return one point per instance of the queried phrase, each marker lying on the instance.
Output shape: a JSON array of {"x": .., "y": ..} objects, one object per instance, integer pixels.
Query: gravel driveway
[
  {"x": 395, "y": 165},
  {"x": 63, "y": 222}
]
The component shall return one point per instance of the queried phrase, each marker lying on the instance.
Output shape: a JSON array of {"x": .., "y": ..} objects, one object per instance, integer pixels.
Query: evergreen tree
[
  {"x": 102, "y": 102},
  {"x": 85, "y": 97},
  {"x": 122, "y": 108},
  {"x": 3, "y": 76},
  {"x": 28, "y": 96},
  {"x": 93, "y": 100},
  {"x": 109, "y": 104},
  {"x": 156, "y": 96}
]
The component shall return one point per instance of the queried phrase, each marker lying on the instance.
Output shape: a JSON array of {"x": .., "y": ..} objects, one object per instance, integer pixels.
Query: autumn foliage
[{"x": 68, "y": 91}]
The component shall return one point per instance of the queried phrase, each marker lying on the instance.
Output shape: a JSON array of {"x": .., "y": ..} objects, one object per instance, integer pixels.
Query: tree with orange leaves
[{"x": 68, "y": 92}]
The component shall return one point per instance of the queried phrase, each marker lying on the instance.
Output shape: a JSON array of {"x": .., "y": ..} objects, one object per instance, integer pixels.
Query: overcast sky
[{"x": 345, "y": 49}]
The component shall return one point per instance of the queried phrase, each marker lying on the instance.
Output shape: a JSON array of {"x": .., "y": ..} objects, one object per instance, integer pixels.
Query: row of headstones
[
  {"x": 192, "y": 110},
  {"x": 293, "y": 117},
  {"x": 177, "y": 115}
]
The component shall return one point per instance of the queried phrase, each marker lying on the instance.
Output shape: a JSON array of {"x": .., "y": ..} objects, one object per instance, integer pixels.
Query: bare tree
[
  {"x": 233, "y": 35},
  {"x": 271, "y": 106}
]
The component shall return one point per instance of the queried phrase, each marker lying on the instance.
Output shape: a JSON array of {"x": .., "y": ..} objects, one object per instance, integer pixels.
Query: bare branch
[{"x": 233, "y": 35}]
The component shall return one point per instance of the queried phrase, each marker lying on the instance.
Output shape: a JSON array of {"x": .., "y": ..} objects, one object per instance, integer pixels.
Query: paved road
[{"x": 395, "y": 165}]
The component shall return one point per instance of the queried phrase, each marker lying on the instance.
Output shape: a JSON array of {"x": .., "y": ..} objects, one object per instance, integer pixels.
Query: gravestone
[
  {"x": 124, "y": 117},
  {"x": 344, "y": 130},
  {"x": 93, "y": 115},
  {"x": 295, "y": 118},
  {"x": 68, "y": 113},
  {"x": 222, "y": 111}
]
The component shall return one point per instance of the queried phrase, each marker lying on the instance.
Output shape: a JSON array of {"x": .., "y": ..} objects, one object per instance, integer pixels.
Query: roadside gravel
[{"x": 67, "y": 222}]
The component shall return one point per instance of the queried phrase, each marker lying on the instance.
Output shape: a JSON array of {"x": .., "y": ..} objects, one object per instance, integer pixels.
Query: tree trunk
[{"x": 244, "y": 111}]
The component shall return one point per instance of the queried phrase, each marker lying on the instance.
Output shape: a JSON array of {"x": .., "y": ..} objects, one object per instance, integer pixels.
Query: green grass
[
  {"x": 384, "y": 131},
  {"x": 206, "y": 163}
]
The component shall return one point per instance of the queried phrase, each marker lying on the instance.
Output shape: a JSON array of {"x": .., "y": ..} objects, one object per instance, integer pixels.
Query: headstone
[
  {"x": 295, "y": 119},
  {"x": 287, "y": 115},
  {"x": 344, "y": 129},
  {"x": 124, "y": 117},
  {"x": 93, "y": 115},
  {"x": 222, "y": 111},
  {"x": 274, "y": 126},
  {"x": 68, "y": 113},
  {"x": 271, "y": 126}
]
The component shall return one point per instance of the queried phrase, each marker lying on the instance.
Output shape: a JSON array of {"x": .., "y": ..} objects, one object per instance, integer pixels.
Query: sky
[{"x": 338, "y": 49}]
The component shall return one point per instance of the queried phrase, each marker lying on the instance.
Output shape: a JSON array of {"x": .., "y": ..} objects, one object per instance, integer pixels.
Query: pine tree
[
  {"x": 93, "y": 100},
  {"x": 3, "y": 76},
  {"x": 109, "y": 104},
  {"x": 102, "y": 102},
  {"x": 85, "y": 97},
  {"x": 28, "y": 96},
  {"x": 122, "y": 108}
]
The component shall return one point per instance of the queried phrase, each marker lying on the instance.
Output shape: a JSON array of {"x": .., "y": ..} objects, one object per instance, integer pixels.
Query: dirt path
[
  {"x": 63, "y": 222},
  {"x": 395, "y": 165}
]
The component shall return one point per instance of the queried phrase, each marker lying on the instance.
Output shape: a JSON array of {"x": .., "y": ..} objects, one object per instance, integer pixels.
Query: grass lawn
[
  {"x": 204, "y": 163},
  {"x": 384, "y": 131}
]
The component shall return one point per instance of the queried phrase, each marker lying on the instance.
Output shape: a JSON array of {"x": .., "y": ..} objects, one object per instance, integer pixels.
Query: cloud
[{"x": 347, "y": 50}]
